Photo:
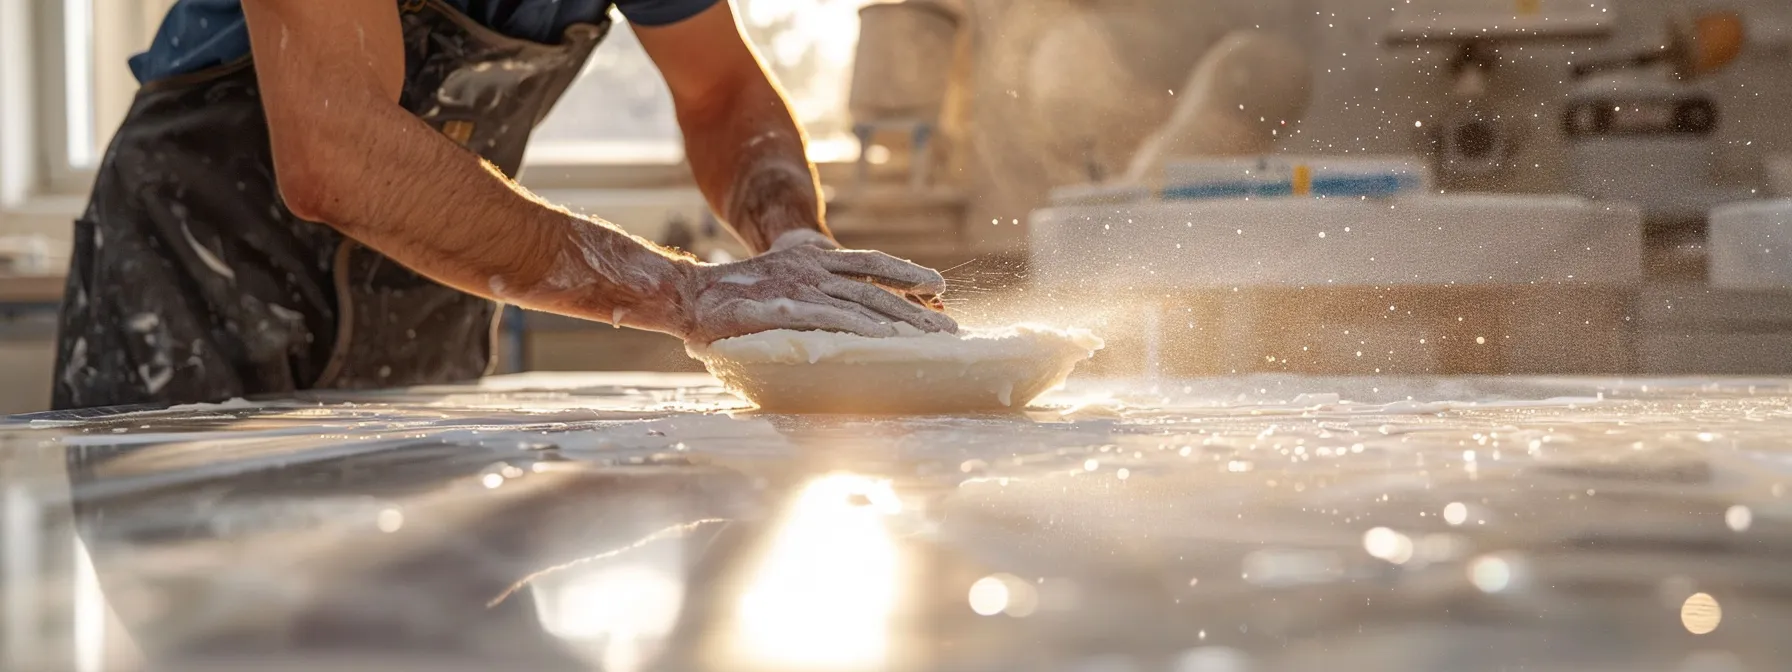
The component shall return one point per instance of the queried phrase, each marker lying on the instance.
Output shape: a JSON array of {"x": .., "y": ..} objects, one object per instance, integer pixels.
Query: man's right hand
[{"x": 808, "y": 288}]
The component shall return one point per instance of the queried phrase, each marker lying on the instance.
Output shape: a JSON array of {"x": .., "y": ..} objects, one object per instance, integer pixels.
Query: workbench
[
  {"x": 651, "y": 521},
  {"x": 24, "y": 292}
]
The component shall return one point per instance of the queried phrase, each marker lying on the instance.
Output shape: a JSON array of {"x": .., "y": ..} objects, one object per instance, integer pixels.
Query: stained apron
[{"x": 191, "y": 281}]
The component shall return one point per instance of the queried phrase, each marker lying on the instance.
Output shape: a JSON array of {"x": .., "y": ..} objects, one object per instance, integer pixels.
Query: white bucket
[
  {"x": 1750, "y": 245},
  {"x": 903, "y": 65}
]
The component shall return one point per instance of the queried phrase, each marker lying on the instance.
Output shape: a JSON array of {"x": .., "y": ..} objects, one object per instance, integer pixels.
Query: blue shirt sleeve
[
  {"x": 661, "y": 12},
  {"x": 196, "y": 34}
]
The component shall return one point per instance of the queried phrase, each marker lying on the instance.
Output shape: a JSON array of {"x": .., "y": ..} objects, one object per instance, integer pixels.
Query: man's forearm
[
  {"x": 346, "y": 154},
  {"x": 749, "y": 158},
  {"x": 397, "y": 185}
]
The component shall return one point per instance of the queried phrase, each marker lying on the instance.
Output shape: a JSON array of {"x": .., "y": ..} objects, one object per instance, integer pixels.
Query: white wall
[{"x": 17, "y": 151}]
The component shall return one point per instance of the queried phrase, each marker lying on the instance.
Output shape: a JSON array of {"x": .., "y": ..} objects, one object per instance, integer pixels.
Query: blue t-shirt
[{"x": 199, "y": 34}]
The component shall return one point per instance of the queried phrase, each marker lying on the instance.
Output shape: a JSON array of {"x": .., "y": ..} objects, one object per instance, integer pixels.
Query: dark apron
[{"x": 191, "y": 281}]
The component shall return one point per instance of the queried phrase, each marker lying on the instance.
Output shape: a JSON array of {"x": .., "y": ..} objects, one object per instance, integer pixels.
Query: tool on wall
[
  {"x": 1698, "y": 45},
  {"x": 1640, "y": 126},
  {"x": 1471, "y": 139}
]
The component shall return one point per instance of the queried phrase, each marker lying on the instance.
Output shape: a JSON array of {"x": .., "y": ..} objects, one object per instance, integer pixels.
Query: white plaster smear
[{"x": 912, "y": 372}]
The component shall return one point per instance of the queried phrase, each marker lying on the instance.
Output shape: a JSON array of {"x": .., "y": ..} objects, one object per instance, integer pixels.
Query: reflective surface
[{"x": 645, "y": 522}]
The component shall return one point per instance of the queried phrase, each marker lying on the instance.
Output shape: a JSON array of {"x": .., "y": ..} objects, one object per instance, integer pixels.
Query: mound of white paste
[{"x": 825, "y": 372}]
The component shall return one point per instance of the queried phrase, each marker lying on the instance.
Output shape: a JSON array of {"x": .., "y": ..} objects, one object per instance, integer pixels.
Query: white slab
[
  {"x": 1750, "y": 245},
  {"x": 1300, "y": 242}
]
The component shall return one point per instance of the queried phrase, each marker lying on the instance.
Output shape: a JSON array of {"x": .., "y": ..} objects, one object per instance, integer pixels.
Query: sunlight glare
[
  {"x": 623, "y": 613},
  {"x": 823, "y": 595}
]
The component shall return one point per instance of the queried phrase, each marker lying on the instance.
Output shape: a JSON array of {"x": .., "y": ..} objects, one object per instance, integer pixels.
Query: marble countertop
[{"x": 650, "y": 521}]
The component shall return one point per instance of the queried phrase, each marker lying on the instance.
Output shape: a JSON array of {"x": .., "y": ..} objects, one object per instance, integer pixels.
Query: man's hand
[
  {"x": 925, "y": 296},
  {"x": 808, "y": 287},
  {"x": 745, "y": 148}
]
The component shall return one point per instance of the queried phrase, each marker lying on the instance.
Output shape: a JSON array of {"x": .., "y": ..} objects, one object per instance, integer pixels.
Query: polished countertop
[{"x": 648, "y": 521}]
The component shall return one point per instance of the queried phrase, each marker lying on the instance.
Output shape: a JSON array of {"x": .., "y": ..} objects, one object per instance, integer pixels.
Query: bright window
[
  {"x": 87, "y": 82},
  {"x": 617, "y": 113},
  {"x": 620, "y": 112}
]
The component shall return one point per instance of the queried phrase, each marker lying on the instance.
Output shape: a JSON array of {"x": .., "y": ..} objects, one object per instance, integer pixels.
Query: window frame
[
  {"x": 110, "y": 87},
  {"x": 56, "y": 172},
  {"x": 57, "y": 175}
]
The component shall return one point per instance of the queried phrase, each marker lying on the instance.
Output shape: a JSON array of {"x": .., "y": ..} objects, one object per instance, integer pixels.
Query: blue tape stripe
[{"x": 1346, "y": 186}]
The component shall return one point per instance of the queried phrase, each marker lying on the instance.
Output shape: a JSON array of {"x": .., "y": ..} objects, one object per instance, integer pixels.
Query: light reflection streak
[
  {"x": 20, "y": 577},
  {"x": 678, "y": 530},
  {"x": 90, "y": 614},
  {"x": 618, "y": 614},
  {"x": 623, "y": 613},
  {"x": 825, "y": 589}
]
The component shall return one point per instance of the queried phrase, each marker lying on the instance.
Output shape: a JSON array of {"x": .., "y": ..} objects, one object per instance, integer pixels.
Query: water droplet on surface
[
  {"x": 1490, "y": 574},
  {"x": 390, "y": 520},
  {"x": 1455, "y": 513},
  {"x": 1701, "y": 614},
  {"x": 1388, "y": 545},
  {"x": 1739, "y": 518},
  {"x": 1023, "y": 598},
  {"x": 988, "y": 596}
]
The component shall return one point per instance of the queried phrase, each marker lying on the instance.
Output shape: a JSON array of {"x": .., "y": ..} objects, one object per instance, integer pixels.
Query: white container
[
  {"x": 1099, "y": 194},
  {"x": 1459, "y": 240},
  {"x": 903, "y": 66},
  {"x": 1750, "y": 245}
]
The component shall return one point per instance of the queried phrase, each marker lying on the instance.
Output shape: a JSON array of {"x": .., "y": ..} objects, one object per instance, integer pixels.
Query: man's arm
[
  {"x": 744, "y": 147},
  {"x": 346, "y": 154}
]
